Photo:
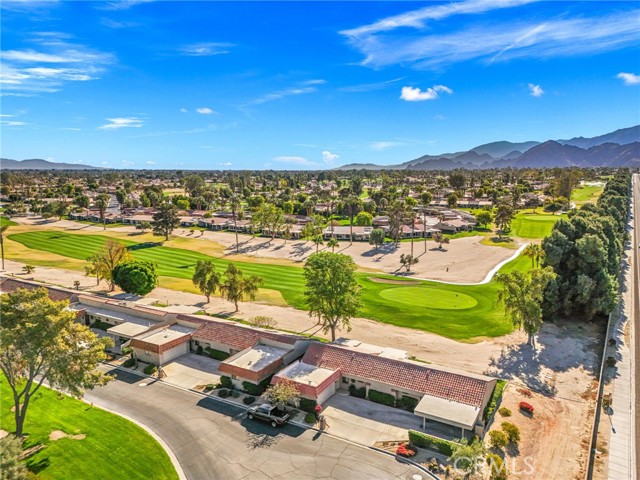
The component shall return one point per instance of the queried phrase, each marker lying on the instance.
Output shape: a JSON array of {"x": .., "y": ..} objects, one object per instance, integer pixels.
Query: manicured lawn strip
[
  {"x": 5, "y": 221},
  {"x": 485, "y": 319},
  {"x": 533, "y": 226},
  {"x": 586, "y": 194},
  {"x": 113, "y": 448}
]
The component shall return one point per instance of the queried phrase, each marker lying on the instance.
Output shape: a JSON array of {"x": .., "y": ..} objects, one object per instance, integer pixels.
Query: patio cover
[{"x": 446, "y": 411}]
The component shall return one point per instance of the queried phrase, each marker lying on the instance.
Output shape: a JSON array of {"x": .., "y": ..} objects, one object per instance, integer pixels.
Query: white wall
[{"x": 175, "y": 352}]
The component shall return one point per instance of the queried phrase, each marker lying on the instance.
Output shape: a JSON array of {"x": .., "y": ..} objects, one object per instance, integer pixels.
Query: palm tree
[
  {"x": 3, "y": 229},
  {"x": 237, "y": 287},
  {"x": 235, "y": 206},
  {"x": 333, "y": 243},
  {"x": 535, "y": 253},
  {"x": 318, "y": 240},
  {"x": 353, "y": 204}
]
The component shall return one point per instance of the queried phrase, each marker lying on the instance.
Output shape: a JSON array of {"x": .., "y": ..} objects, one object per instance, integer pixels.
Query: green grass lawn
[
  {"x": 586, "y": 194},
  {"x": 5, "y": 221},
  {"x": 533, "y": 226},
  {"x": 429, "y": 306},
  {"x": 113, "y": 447}
]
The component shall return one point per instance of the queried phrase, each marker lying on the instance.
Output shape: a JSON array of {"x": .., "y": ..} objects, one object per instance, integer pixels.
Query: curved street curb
[{"x": 487, "y": 279}]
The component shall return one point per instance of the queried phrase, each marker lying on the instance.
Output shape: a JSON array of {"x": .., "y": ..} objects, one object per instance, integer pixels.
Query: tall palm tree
[
  {"x": 530, "y": 251},
  {"x": 3, "y": 229},
  {"x": 235, "y": 206},
  {"x": 318, "y": 240},
  {"x": 333, "y": 243}
]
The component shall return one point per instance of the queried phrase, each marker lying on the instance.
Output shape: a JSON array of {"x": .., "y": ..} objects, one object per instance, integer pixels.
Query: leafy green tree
[
  {"x": 281, "y": 393},
  {"x": 104, "y": 261},
  {"x": 484, "y": 218},
  {"x": 498, "y": 439},
  {"x": 82, "y": 201},
  {"x": 440, "y": 239},
  {"x": 376, "y": 237},
  {"x": 522, "y": 295},
  {"x": 137, "y": 277},
  {"x": 465, "y": 454},
  {"x": 332, "y": 291},
  {"x": 236, "y": 287},
  {"x": 426, "y": 198},
  {"x": 40, "y": 341},
  {"x": 165, "y": 220},
  {"x": 142, "y": 226},
  {"x": 452, "y": 200},
  {"x": 503, "y": 217},
  {"x": 206, "y": 279},
  {"x": 101, "y": 202},
  {"x": 364, "y": 219},
  {"x": 11, "y": 466}
]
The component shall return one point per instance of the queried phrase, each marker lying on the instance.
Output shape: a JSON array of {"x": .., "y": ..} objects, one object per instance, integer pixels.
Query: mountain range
[
  {"x": 39, "y": 164},
  {"x": 616, "y": 149}
]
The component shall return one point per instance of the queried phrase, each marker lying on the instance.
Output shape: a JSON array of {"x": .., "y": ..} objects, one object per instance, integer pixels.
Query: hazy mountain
[
  {"x": 500, "y": 149},
  {"x": 619, "y": 148},
  {"x": 39, "y": 164},
  {"x": 624, "y": 136}
]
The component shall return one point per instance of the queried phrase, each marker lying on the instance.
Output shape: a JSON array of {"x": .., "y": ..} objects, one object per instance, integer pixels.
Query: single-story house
[
  {"x": 453, "y": 398},
  {"x": 343, "y": 232}
]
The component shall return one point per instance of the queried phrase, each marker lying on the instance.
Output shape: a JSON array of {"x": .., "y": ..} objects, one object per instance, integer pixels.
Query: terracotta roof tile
[
  {"x": 429, "y": 381},
  {"x": 8, "y": 285},
  {"x": 237, "y": 336}
]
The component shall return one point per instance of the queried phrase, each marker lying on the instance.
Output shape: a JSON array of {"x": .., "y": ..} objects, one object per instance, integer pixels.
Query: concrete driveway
[
  {"x": 191, "y": 370},
  {"x": 212, "y": 440}
]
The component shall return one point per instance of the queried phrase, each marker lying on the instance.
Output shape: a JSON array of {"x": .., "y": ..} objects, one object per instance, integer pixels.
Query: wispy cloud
[
  {"x": 53, "y": 63},
  {"x": 208, "y": 128},
  {"x": 295, "y": 161},
  {"x": 226, "y": 164},
  {"x": 384, "y": 145},
  {"x": 12, "y": 123},
  {"x": 150, "y": 162},
  {"x": 204, "y": 110},
  {"x": 279, "y": 94},
  {"x": 412, "y": 94},
  {"x": 122, "y": 122},
  {"x": 368, "y": 87},
  {"x": 27, "y": 5},
  {"x": 391, "y": 40},
  {"x": 121, "y": 4},
  {"x": 206, "y": 49},
  {"x": 328, "y": 157},
  {"x": 317, "y": 81},
  {"x": 629, "y": 78},
  {"x": 117, "y": 24},
  {"x": 535, "y": 90}
]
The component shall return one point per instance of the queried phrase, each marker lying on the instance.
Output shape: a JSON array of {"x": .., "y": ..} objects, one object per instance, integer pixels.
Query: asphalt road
[
  {"x": 212, "y": 440},
  {"x": 636, "y": 311}
]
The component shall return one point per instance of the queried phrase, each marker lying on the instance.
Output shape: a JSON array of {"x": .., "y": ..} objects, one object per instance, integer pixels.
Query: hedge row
[
  {"x": 307, "y": 405},
  {"x": 357, "y": 392},
  {"x": 216, "y": 354},
  {"x": 383, "y": 398},
  {"x": 494, "y": 401},
  {"x": 257, "y": 390},
  {"x": 427, "y": 441}
]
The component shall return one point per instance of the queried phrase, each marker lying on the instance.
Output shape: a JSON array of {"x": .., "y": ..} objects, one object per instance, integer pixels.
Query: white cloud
[
  {"x": 317, "y": 81},
  {"x": 328, "y": 157},
  {"x": 629, "y": 78},
  {"x": 384, "y": 145},
  {"x": 150, "y": 162},
  {"x": 295, "y": 160},
  {"x": 122, "y": 122},
  {"x": 183, "y": 110},
  {"x": 407, "y": 39},
  {"x": 412, "y": 94},
  {"x": 289, "y": 92},
  {"x": 226, "y": 164},
  {"x": 121, "y": 4},
  {"x": 12, "y": 123},
  {"x": 204, "y": 110},
  {"x": 206, "y": 49},
  {"x": 535, "y": 90},
  {"x": 368, "y": 87}
]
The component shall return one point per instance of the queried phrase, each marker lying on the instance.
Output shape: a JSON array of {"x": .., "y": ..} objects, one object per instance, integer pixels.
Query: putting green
[{"x": 429, "y": 297}]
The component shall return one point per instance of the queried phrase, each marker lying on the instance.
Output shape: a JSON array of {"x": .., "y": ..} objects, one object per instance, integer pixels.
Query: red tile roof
[
  {"x": 237, "y": 336},
  {"x": 9, "y": 285},
  {"x": 428, "y": 381}
]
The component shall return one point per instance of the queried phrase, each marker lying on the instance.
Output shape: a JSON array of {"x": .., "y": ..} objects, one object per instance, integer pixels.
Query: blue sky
[{"x": 309, "y": 85}]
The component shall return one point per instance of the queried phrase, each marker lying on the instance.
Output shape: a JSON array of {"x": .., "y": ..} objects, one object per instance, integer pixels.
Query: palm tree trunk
[
  {"x": 424, "y": 230},
  {"x": 2, "y": 250}
]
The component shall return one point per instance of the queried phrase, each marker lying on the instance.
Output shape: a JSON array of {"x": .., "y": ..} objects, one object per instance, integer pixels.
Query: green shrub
[
  {"x": 199, "y": 350},
  {"x": 310, "y": 418},
  {"x": 127, "y": 350},
  {"x": 494, "y": 401},
  {"x": 408, "y": 403},
  {"x": 209, "y": 387},
  {"x": 504, "y": 411},
  {"x": 512, "y": 432},
  {"x": 235, "y": 394},
  {"x": 383, "y": 398},
  {"x": 257, "y": 390},
  {"x": 223, "y": 393},
  {"x": 226, "y": 381},
  {"x": 498, "y": 439},
  {"x": 100, "y": 325},
  {"x": 248, "y": 400},
  {"x": 150, "y": 369},
  {"x": 216, "y": 354},
  {"x": 357, "y": 392},
  {"x": 427, "y": 441},
  {"x": 129, "y": 362},
  {"x": 307, "y": 405}
]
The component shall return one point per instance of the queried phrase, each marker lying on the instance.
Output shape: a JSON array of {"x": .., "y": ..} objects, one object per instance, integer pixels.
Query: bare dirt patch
[
  {"x": 3, "y": 433},
  {"x": 58, "y": 434}
]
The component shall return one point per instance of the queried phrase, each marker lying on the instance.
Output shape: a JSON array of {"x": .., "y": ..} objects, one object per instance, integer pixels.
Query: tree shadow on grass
[
  {"x": 37, "y": 466},
  {"x": 142, "y": 246}
]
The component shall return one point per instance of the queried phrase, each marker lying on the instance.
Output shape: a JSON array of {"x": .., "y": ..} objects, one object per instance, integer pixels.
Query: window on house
[
  {"x": 196, "y": 343},
  {"x": 234, "y": 377},
  {"x": 147, "y": 352},
  {"x": 344, "y": 380}
]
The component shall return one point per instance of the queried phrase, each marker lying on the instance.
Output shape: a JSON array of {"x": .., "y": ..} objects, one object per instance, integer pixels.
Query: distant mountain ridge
[
  {"x": 39, "y": 164},
  {"x": 616, "y": 149}
]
